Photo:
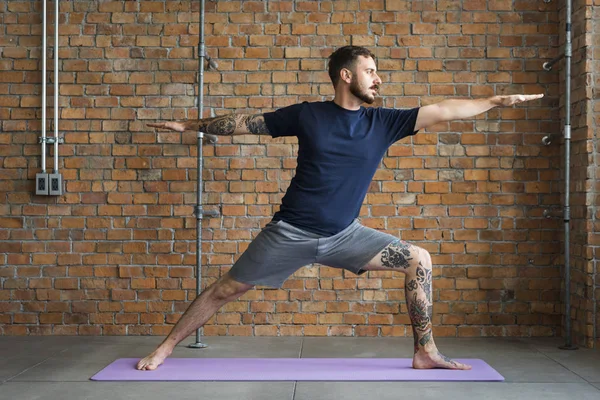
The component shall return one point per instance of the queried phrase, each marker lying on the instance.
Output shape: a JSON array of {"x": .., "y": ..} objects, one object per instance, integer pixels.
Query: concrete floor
[{"x": 60, "y": 367}]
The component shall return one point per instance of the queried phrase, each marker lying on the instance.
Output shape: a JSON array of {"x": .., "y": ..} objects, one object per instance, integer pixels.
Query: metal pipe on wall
[
  {"x": 49, "y": 184},
  {"x": 56, "y": 18},
  {"x": 567, "y": 209},
  {"x": 200, "y": 136},
  {"x": 566, "y": 213},
  {"x": 44, "y": 55},
  {"x": 41, "y": 178}
]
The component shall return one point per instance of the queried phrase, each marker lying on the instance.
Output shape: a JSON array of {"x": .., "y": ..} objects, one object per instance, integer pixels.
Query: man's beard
[{"x": 361, "y": 94}]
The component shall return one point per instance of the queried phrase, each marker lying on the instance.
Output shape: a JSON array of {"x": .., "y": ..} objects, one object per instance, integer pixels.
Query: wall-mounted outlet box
[
  {"x": 41, "y": 184},
  {"x": 55, "y": 185}
]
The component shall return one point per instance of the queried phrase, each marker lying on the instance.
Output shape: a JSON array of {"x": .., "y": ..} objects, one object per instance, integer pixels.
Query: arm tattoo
[
  {"x": 256, "y": 125},
  {"x": 234, "y": 124},
  {"x": 224, "y": 125}
]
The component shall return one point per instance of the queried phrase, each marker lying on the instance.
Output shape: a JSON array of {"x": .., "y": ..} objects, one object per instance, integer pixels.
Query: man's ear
[{"x": 346, "y": 75}]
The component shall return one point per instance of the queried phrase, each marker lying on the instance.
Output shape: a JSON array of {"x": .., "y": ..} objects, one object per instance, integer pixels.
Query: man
[{"x": 340, "y": 147}]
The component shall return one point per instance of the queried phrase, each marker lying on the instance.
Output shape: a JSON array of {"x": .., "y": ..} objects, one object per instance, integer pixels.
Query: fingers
[
  {"x": 170, "y": 125},
  {"x": 528, "y": 97},
  {"x": 521, "y": 98},
  {"x": 162, "y": 125}
]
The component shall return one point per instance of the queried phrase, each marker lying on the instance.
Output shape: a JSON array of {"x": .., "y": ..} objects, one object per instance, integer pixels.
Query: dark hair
[{"x": 345, "y": 57}]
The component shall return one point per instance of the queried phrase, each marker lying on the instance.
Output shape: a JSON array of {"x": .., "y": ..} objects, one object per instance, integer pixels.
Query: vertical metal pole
[
  {"x": 44, "y": 55},
  {"x": 199, "y": 211},
  {"x": 567, "y": 209},
  {"x": 56, "y": 18}
]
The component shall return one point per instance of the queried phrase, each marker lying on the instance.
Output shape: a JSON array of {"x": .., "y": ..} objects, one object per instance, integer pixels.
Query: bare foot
[
  {"x": 435, "y": 359},
  {"x": 153, "y": 360}
]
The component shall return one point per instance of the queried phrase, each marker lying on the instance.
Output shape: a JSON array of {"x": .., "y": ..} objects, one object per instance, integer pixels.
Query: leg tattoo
[
  {"x": 420, "y": 316},
  {"x": 420, "y": 306},
  {"x": 424, "y": 279},
  {"x": 412, "y": 285},
  {"x": 396, "y": 255},
  {"x": 419, "y": 299}
]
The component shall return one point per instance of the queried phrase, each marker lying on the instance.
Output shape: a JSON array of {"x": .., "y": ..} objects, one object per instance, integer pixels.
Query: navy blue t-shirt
[{"x": 339, "y": 152}]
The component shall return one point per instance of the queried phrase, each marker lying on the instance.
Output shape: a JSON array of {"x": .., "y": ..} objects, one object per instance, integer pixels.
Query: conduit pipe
[
  {"x": 199, "y": 211},
  {"x": 49, "y": 184},
  {"x": 41, "y": 178},
  {"x": 44, "y": 56},
  {"x": 567, "y": 135},
  {"x": 56, "y": 18},
  {"x": 567, "y": 209}
]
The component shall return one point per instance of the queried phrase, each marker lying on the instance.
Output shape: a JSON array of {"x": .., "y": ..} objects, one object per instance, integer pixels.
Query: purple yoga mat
[{"x": 292, "y": 369}]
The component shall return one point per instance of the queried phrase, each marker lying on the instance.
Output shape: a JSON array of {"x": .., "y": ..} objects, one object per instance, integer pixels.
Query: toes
[
  {"x": 142, "y": 364},
  {"x": 461, "y": 366}
]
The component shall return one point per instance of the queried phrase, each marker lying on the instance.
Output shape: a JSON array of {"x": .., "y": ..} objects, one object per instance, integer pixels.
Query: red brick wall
[
  {"x": 116, "y": 253},
  {"x": 584, "y": 182},
  {"x": 594, "y": 187}
]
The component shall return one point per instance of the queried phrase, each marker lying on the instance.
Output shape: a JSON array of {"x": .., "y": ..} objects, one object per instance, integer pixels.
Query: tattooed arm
[{"x": 231, "y": 124}]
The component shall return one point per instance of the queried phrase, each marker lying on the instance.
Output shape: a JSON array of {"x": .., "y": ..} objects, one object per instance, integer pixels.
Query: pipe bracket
[
  {"x": 50, "y": 140},
  {"x": 200, "y": 212}
]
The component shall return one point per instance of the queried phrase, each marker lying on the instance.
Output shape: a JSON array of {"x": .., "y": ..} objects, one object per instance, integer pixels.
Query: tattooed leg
[
  {"x": 397, "y": 255},
  {"x": 420, "y": 306},
  {"x": 416, "y": 264}
]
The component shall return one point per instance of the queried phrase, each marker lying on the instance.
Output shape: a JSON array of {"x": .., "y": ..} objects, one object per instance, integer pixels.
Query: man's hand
[
  {"x": 171, "y": 125},
  {"x": 511, "y": 100}
]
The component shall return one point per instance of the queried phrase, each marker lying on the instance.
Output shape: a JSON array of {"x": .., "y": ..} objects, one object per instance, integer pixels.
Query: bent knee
[
  {"x": 228, "y": 289},
  {"x": 423, "y": 257}
]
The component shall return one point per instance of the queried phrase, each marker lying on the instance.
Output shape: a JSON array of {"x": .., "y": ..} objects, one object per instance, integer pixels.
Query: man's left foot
[{"x": 434, "y": 359}]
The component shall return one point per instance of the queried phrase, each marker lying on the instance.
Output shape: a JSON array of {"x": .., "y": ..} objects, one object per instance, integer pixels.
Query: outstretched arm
[
  {"x": 452, "y": 109},
  {"x": 231, "y": 124}
]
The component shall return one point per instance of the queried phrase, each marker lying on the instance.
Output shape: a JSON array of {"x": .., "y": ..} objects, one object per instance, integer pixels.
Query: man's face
[{"x": 365, "y": 81}]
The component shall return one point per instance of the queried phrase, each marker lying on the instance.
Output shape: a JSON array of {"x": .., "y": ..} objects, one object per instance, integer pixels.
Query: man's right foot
[
  {"x": 434, "y": 359},
  {"x": 152, "y": 361}
]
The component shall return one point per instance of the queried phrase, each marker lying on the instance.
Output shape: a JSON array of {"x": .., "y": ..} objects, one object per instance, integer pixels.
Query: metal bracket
[
  {"x": 50, "y": 140},
  {"x": 207, "y": 137},
  {"x": 552, "y": 213},
  {"x": 200, "y": 212}
]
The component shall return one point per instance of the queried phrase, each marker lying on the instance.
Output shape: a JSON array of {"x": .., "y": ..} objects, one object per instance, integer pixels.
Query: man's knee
[
  {"x": 228, "y": 289},
  {"x": 419, "y": 258},
  {"x": 424, "y": 258}
]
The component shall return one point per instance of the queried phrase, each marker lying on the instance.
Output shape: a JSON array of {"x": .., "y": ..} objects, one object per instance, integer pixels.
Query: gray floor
[{"x": 60, "y": 368}]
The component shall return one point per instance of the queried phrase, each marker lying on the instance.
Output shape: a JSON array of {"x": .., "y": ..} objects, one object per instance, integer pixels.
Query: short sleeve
[
  {"x": 284, "y": 121},
  {"x": 399, "y": 123}
]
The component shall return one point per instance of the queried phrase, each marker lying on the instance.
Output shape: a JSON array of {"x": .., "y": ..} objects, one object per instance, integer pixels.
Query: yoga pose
[{"x": 341, "y": 145}]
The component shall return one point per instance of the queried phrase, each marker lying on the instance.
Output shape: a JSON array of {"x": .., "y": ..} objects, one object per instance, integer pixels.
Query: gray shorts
[{"x": 280, "y": 249}]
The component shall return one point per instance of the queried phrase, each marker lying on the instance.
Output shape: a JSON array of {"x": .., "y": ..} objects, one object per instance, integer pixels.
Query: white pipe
[
  {"x": 56, "y": 18},
  {"x": 44, "y": 49}
]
